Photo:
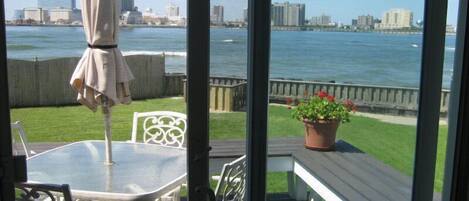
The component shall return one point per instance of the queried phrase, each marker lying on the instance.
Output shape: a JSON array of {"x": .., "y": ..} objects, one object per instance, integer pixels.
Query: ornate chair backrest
[
  {"x": 161, "y": 127},
  {"x": 33, "y": 192},
  {"x": 22, "y": 135},
  {"x": 232, "y": 183}
]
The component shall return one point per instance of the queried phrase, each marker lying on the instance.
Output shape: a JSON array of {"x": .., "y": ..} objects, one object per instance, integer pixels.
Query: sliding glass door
[{"x": 259, "y": 94}]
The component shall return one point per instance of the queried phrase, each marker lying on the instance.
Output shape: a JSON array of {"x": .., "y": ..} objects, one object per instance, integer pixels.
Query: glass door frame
[
  {"x": 7, "y": 169},
  {"x": 258, "y": 74},
  {"x": 428, "y": 116},
  {"x": 456, "y": 179},
  {"x": 259, "y": 31},
  {"x": 198, "y": 72}
]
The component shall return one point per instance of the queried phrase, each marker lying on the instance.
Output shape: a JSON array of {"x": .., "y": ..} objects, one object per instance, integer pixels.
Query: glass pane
[
  {"x": 228, "y": 94},
  {"x": 44, "y": 46},
  {"x": 450, "y": 48},
  {"x": 357, "y": 64}
]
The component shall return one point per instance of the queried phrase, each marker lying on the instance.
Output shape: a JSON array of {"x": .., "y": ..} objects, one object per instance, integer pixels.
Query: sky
[{"x": 341, "y": 10}]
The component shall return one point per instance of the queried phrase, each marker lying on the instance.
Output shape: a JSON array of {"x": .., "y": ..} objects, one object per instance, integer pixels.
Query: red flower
[
  {"x": 289, "y": 101},
  {"x": 330, "y": 98},
  {"x": 350, "y": 105},
  {"x": 322, "y": 94}
]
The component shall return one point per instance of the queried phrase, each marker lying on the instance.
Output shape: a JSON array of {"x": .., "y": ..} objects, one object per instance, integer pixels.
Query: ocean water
[{"x": 362, "y": 58}]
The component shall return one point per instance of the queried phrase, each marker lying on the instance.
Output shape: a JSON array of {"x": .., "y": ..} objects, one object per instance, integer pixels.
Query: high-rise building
[
  {"x": 61, "y": 15},
  {"x": 277, "y": 14},
  {"x": 50, "y": 4},
  {"x": 127, "y": 5},
  {"x": 365, "y": 21},
  {"x": 286, "y": 14},
  {"x": 396, "y": 18},
  {"x": 322, "y": 20},
  {"x": 132, "y": 17},
  {"x": 172, "y": 11},
  {"x": 294, "y": 15},
  {"x": 38, "y": 15},
  {"x": 217, "y": 16}
]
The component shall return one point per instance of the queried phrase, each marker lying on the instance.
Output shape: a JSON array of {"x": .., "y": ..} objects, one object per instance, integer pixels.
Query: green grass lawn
[{"x": 390, "y": 143}]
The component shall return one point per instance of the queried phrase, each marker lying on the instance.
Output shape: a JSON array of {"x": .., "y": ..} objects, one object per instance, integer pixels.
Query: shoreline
[{"x": 273, "y": 28}]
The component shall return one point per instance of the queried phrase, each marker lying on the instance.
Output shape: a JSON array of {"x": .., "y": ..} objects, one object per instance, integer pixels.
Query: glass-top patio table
[{"x": 140, "y": 171}]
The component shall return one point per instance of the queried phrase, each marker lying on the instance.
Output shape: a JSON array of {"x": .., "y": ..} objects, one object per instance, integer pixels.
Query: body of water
[{"x": 362, "y": 58}]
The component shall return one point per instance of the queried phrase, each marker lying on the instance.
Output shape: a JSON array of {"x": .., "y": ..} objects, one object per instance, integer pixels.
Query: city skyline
[{"x": 340, "y": 11}]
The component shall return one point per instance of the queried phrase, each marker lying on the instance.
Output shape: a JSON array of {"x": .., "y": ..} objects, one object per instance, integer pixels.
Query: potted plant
[{"x": 322, "y": 115}]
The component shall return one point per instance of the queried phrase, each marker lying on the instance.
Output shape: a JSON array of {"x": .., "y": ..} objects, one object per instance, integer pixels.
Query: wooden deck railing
[
  {"x": 386, "y": 99},
  {"x": 226, "y": 97},
  {"x": 369, "y": 98}
]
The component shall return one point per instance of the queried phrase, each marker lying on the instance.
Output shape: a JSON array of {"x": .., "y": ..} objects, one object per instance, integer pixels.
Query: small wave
[
  {"x": 450, "y": 48},
  {"x": 228, "y": 41},
  {"x": 33, "y": 36},
  {"x": 21, "y": 47},
  {"x": 174, "y": 54},
  {"x": 415, "y": 45}
]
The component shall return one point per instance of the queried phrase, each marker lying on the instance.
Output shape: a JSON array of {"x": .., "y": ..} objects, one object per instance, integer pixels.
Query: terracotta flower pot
[{"x": 320, "y": 135}]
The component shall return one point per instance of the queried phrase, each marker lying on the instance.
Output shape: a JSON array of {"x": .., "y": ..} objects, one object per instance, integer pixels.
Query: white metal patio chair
[
  {"x": 232, "y": 181},
  {"x": 43, "y": 192},
  {"x": 164, "y": 128},
  {"x": 24, "y": 140},
  {"x": 161, "y": 127}
]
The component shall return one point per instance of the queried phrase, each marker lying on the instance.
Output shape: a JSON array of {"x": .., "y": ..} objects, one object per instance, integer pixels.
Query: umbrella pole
[{"x": 107, "y": 130}]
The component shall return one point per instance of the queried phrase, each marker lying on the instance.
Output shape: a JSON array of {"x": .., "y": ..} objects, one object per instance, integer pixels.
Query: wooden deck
[
  {"x": 348, "y": 172},
  {"x": 353, "y": 175}
]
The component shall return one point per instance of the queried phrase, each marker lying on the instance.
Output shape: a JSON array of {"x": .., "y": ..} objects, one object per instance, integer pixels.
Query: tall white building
[
  {"x": 172, "y": 11},
  {"x": 287, "y": 14},
  {"x": 365, "y": 21},
  {"x": 396, "y": 18},
  {"x": 37, "y": 14},
  {"x": 61, "y": 15},
  {"x": 217, "y": 16},
  {"x": 322, "y": 20},
  {"x": 277, "y": 14}
]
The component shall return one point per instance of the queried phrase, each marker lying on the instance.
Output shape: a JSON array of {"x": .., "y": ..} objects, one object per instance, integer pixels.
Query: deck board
[{"x": 354, "y": 175}]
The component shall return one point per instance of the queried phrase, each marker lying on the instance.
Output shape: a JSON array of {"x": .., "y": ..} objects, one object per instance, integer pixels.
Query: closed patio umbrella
[{"x": 102, "y": 75}]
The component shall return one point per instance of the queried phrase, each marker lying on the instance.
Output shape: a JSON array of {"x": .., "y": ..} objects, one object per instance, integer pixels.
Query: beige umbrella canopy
[{"x": 102, "y": 75}]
